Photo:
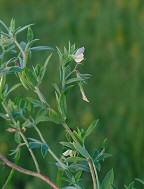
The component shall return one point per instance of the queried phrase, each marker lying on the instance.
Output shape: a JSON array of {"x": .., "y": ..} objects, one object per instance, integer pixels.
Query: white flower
[
  {"x": 79, "y": 56},
  {"x": 67, "y": 153}
]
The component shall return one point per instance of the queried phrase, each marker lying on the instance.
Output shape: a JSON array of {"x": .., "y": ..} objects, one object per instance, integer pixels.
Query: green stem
[
  {"x": 31, "y": 152},
  {"x": 92, "y": 173},
  {"x": 21, "y": 50},
  {"x": 50, "y": 151},
  {"x": 12, "y": 171},
  {"x": 70, "y": 132},
  {"x": 90, "y": 162},
  {"x": 96, "y": 174}
]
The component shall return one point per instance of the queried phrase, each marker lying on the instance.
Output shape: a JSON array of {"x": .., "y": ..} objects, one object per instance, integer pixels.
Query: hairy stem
[{"x": 28, "y": 172}]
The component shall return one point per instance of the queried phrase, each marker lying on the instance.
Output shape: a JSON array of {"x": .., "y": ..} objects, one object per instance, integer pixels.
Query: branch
[{"x": 28, "y": 172}]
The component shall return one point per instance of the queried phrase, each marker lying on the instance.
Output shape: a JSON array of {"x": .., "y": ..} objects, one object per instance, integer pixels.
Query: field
[{"x": 112, "y": 33}]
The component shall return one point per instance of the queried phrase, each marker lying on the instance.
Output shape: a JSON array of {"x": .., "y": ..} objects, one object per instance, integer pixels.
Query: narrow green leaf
[
  {"x": 29, "y": 34},
  {"x": 34, "y": 145},
  {"x": 63, "y": 106},
  {"x": 55, "y": 117},
  {"x": 68, "y": 145},
  {"x": 44, "y": 149},
  {"x": 4, "y": 25},
  {"x": 108, "y": 180},
  {"x": 41, "y": 48},
  {"x": 44, "y": 68},
  {"x": 36, "y": 103},
  {"x": 73, "y": 80},
  {"x": 15, "y": 69},
  {"x": 140, "y": 180},
  {"x": 68, "y": 89},
  {"x": 23, "y": 28},
  {"x": 12, "y": 25},
  {"x": 91, "y": 128},
  {"x": 41, "y": 119},
  {"x": 75, "y": 159},
  {"x": 13, "y": 88},
  {"x": 81, "y": 150},
  {"x": 30, "y": 77},
  {"x": 78, "y": 175},
  {"x": 17, "y": 137}
]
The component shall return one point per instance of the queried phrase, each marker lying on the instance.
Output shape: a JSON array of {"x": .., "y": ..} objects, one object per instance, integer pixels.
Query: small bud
[{"x": 11, "y": 130}]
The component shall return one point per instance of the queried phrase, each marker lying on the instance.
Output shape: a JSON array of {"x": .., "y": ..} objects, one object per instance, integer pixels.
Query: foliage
[{"x": 23, "y": 114}]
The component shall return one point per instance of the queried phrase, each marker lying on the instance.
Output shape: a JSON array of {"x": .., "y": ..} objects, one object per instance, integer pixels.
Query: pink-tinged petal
[{"x": 80, "y": 51}]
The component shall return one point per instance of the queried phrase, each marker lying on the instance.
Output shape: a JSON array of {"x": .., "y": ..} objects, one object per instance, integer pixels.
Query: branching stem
[{"x": 28, "y": 172}]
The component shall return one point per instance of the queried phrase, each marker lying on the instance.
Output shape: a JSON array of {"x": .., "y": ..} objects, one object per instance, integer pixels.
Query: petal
[
  {"x": 78, "y": 58},
  {"x": 80, "y": 51}
]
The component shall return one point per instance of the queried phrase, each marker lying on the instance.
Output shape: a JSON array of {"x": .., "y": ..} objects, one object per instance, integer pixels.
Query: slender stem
[
  {"x": 91, "y": 166},
  {"x": 12, "y": 171},
  {"x": 22, "y": 135},
  {"x": 21, "y": 50},
  {"x": 96, "y": 174},
  {"x": 31, "y": 152},
  {"x": 50, "y": 151},
  {"x": 28, "y": 172},
  {"x": 70, "y": 132},
  {"x": 92, "y": 173}
]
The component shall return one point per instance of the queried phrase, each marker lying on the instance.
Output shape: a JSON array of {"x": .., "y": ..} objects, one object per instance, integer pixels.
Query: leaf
[
  {"x": 34, "y": 145},
  {"x": 36, "y": 103},
  {"x": 41, "y": 48},
  {"x": 12, "y": 25},
  {"x": 43, "y": 69},
  {"x": 44, "y": 149},
  {"x": 41, "y": 119},
  {"x": 75, "y": 159},
  {"x": 68, "y": 144},
  {"x": 78, "y": 175},
  {"x": 56, "y": 88},
  {"x": 105, "y": 144},
  {"x": 13, "y": 88},
  {"x": 73, "y": 80},
  {"x": 63, "y": 106},
  {"x": 68, "y": 89},
  {"x": 4, "y": 25},
  {"x": 55, "y": 117},
  {"x": 15, "y": 69},
  {"x": 23, "y": 28},
  {"x": 140, "y": 180},
  {"x": 5, "y": 116},
  {"x": 108, "y": 180},
  {"x": 131, "y": 185},
  {"x": 30, "y": 77},
  {"x": 17, "y": 137},
  {"x": 81, "y": 150},
  {"x": 29, "y": 34},
  {"x": 91, "y": 128}
]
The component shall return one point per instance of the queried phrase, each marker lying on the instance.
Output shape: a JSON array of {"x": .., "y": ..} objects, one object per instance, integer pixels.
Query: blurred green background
[{"x": 112, "y": 31}]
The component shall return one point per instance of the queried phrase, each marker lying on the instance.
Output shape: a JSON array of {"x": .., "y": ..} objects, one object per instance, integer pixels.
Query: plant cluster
[{"x": 26, "y": 113}]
